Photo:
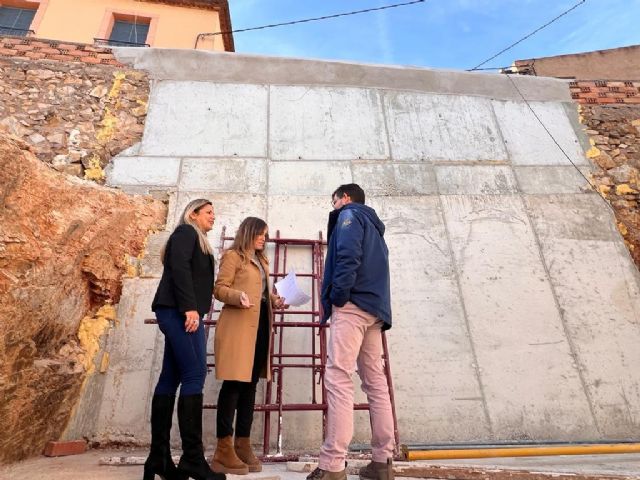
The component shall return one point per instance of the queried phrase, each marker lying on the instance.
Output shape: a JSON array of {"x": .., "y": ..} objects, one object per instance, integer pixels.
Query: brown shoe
[
  {"x": 225, "y": 459},
  {"x": 319, "y": 474},
  {"x": 245, "y": 453},
  {"x": 377, "y": 471}
]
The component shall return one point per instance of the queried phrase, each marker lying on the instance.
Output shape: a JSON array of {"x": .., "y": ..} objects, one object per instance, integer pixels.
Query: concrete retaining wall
[{"x": 515, "y": 301}]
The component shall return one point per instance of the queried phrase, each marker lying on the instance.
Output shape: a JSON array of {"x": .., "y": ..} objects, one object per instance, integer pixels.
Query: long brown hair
[
  {"x": 193, "y": 206},
  {"x": 245, "y": 237}
]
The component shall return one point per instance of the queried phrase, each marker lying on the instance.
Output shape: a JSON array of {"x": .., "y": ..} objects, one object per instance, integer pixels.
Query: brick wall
[
  {"x": 602, "y": 92},
  {"x": 42, "y": 49}
]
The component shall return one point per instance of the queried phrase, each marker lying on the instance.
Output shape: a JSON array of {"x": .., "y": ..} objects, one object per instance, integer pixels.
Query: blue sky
[{"x": 451, "y": 34}]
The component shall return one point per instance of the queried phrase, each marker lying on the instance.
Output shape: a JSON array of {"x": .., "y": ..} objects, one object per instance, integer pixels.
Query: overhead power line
[
  {"x": 477, "y": 67},
  {"x": 315, "y": 19},
  {"x": 591, "y": 186}
]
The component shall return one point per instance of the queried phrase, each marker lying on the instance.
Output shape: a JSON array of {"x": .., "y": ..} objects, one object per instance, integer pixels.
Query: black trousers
[{"x": 238, "y": 396}]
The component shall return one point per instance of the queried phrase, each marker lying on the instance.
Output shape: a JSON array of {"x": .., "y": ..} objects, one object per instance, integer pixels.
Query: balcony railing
[
  {"x": 15, "y": 32},
  {"x": 118, "y": 43}
]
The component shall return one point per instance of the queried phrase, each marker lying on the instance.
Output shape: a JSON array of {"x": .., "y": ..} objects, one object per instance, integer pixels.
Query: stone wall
[
  {"x": 614, "y": 132},
  {"x": 76, "y": 115},
  {"x": 63, "y": 249}
]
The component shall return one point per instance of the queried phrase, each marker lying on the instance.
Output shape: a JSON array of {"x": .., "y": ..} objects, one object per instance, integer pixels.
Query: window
[
  {"x": 16, "y": 21},
  {"x": 127, "y": 33}
]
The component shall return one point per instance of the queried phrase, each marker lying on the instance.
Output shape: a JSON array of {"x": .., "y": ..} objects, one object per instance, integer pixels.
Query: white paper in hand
[{"x": 289, "y": 290}]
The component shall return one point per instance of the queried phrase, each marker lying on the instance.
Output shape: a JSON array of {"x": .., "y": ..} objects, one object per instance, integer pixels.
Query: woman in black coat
[{"x": 183, "y": 297}]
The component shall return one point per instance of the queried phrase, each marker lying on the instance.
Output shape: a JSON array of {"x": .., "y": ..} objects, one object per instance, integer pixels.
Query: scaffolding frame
[{"x": 273, "y": 399}]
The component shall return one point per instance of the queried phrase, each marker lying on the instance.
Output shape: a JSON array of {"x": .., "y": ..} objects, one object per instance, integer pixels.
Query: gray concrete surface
[
  {"x": 86, "y": 467},
  {"x": 515, "y": 301},
  {"x": 197, "y": 65}
]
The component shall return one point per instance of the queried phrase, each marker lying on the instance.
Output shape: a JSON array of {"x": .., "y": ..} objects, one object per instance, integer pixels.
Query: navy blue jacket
[{"x": 357, "y": 264}]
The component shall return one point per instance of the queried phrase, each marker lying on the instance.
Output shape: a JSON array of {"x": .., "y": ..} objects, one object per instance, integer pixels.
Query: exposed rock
[
  {"x": 76, "y": 111},
  {"x": 615, "y": 140},
  {"x": 605, "y": 161},
  {"x": 63, "y": 249},
  {"x": 624, "y": 174}
]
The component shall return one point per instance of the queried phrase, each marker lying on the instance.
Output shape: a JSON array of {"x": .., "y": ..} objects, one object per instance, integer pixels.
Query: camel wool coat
[{"x": 237, "y": 327}]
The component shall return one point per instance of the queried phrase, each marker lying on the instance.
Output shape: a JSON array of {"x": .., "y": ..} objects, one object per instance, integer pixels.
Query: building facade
[
  {"x": 613, "y": 64},
  {"x": 154, "y": 23}
]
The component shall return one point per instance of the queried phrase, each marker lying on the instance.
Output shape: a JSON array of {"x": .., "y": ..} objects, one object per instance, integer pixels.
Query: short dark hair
[{"x": 353, "y": 190}]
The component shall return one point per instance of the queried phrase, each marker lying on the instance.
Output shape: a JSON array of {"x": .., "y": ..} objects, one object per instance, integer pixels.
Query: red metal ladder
[{"x": 315, "y": 361}]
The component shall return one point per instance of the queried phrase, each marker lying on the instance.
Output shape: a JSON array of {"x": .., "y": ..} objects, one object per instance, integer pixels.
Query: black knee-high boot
[
  {"x": 192, "y": 463},
  {"x": 159, "y": 461}
]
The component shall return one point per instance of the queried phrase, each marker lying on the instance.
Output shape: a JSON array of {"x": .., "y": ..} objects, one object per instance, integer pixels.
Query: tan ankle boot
[
  {"x": 225, "y": 459},
  {"x": 245, "y": 453}
]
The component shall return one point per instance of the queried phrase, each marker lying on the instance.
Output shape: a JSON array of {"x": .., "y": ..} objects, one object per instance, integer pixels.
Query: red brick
[
  {"x": 35, "y": 55},
  {"x": 94, "y": 60},
  {"x": 107, "y": 56},
  {"x": 62, "y": 58},
  {"x": 59, "y": 449},
  {"x": 8, "y": 51},
  {"x": 606, "y": 100},
  {"x": 23, "y": 48},
  {"x": 635, "y": 100},
  {"x": 50, "y": 51},
  {"x": 11, "y": 41},
  {"x": 40, "y": 44},
  {"x": 91, "y": 48},
  {"x": 83, "y": 53},
  {"x": 67, "y": 46},
  {"x": 112, "y": 61}
]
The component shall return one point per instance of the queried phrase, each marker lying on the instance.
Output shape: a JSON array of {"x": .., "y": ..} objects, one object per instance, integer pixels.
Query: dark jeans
[
  {"x": 185, "y": 360},
  {"x": 241, "y": 396}
]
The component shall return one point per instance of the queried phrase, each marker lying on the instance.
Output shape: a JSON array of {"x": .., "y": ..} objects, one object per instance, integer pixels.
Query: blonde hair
[
  {"x": 243, "y": 243},
  {"x": 193, "y": 206}
]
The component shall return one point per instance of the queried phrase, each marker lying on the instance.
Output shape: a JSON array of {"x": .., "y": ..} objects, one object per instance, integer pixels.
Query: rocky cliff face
[
  {"x": 614, "y": 132},
  {"x": 64, "y": 244}
]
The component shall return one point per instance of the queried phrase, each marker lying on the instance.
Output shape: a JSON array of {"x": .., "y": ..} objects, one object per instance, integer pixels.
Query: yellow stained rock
[
  {"x": 623, "y": 189},
  {"x": 622, "y": 228},
  {"x": 108, "y": 127},
  {"x": 604, "y": 189},
  {"x": 117, "y": 84},
  {"x": 90, "y": 331},
  {"x": 94, "y": 171},
  {"x": 593, "y": 152},
  {"x": 104, "y": 364}
]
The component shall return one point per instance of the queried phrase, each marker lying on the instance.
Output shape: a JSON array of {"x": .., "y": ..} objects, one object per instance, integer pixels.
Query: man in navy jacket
[{"x": 356, "y": 295}]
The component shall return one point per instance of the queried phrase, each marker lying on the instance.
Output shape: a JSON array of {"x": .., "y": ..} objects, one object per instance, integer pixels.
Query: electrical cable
[
  {"x": 305, "y": 20},
  {"x": 591, "y": 186},
  {"x": 527, "y": 36}
]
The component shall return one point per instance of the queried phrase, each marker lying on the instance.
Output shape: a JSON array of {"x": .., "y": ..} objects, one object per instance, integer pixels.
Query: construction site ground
[{"x": 87, "y": 467}]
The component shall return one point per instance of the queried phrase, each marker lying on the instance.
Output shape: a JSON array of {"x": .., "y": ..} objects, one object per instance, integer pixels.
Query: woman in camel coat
[{"x": 242, "y": 343}]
